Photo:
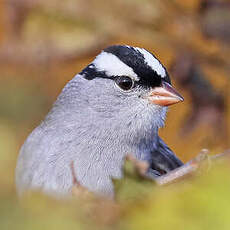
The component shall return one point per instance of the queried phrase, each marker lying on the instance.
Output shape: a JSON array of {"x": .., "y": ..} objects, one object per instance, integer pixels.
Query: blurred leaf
[
  {"x": 20, "y": 102},
  {"x": 203, "y": 204},
  {"x": 134, "y": 184}
]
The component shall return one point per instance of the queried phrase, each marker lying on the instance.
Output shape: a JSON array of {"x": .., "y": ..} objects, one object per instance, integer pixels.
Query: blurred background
[{"x": 43, "y": 44}]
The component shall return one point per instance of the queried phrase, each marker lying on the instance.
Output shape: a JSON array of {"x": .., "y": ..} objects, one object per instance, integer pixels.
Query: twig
[
  {"x": 189, "y": 168},
  {"x": 77, "y": 189},
  {"x": 184, "y": 171},
  {"x": 75, "y": 182}
]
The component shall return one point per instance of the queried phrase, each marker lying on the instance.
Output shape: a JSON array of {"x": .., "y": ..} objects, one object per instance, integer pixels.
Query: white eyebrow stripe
[
  {"x": 152, "y": 62},
  {"x": 113, "y": 66}
]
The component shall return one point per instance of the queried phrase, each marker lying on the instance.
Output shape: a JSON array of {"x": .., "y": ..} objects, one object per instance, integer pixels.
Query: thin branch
[
  {"x": 75, "y": 182},
  {"x": 190, "y": 167},
  {"x": 77, "y": 189}
]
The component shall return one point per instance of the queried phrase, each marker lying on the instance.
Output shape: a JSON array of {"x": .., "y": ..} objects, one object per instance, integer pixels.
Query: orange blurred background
[{"x": 43, "y": 44}]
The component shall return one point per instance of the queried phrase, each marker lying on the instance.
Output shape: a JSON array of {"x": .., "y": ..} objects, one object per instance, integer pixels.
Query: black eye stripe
[{"x": 90, "y": 73}]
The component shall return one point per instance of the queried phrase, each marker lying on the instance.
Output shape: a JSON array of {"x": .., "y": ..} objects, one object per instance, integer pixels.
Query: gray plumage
[{"x": 93, "y": 125}]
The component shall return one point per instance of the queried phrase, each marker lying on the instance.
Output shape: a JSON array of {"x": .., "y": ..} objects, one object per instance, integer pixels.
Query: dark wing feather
[{"x": 163, "y": 159}]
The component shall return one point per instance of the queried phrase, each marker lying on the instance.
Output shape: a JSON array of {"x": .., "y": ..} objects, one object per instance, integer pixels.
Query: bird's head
[{"x": 125, "y": 82}]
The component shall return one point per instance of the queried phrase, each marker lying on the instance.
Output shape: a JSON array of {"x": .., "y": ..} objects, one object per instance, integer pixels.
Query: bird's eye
[{"x": 124, "y": 82}]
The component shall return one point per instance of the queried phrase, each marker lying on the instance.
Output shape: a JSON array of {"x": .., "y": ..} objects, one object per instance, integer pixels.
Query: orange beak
[{"x": 164, "y": 95}]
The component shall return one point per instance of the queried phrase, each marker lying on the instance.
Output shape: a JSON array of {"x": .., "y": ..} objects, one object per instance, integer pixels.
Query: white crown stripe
[
  {"x": 113, "y": 66},
  {"x": 152, "y": 62}
]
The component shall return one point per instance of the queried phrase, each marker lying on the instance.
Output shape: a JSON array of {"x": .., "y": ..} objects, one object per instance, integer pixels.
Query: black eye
[{"x": 124, "y": 82}]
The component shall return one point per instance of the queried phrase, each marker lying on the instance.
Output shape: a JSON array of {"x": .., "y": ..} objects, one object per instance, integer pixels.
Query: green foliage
[
  {"x": 19, "y": 102},
  {"x": 202, "y": 203},
  {"x": 134, "y": 185}
]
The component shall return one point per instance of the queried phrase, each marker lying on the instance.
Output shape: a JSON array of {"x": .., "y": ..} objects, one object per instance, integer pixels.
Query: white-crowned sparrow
[{"x": 114, "y": 107}]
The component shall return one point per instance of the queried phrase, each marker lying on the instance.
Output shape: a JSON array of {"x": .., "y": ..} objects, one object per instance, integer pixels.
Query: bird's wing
[{"x": 163, "y": 159}]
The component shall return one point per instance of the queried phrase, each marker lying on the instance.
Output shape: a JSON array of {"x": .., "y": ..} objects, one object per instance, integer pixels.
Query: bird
[{"x": 113, "y": 107}]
